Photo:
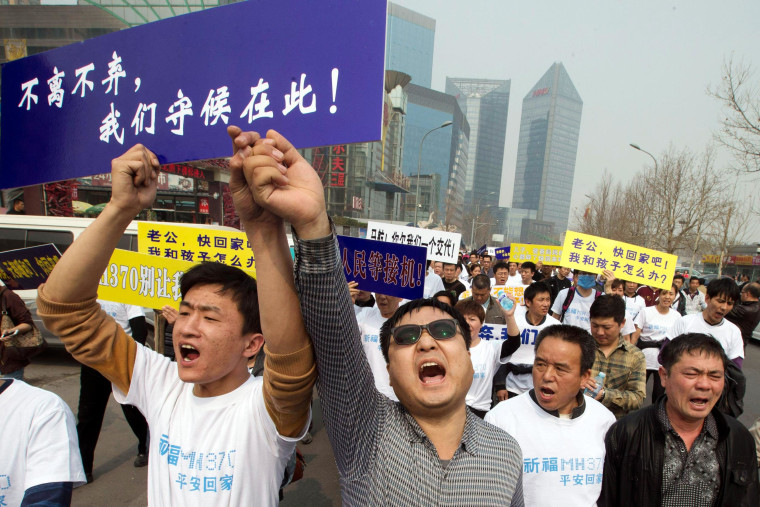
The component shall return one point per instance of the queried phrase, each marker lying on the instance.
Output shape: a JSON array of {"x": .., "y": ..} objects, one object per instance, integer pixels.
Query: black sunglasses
[{"x": 409, "y": 334}]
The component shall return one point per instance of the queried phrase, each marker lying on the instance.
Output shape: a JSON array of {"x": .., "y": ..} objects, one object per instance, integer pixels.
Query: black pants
[
  {"x": 657, "y": 389},
  {"x": 94, "y": 391}
]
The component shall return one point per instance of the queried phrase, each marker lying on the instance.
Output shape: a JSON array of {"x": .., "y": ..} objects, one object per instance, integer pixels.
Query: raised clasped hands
[{"x": 270, "y": 181}]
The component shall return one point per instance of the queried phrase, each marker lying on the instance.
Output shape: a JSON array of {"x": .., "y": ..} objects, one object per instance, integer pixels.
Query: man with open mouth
[
  {"x": 426, "y": 449},
  {"x": 722, "y": 294},
  {"x": 682, "y": 450},
  {"x": 218, "y": 435},
  {"x": 560, "y": 431}
]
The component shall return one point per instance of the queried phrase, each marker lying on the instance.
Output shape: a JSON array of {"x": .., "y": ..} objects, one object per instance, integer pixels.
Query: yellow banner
[
  {"x": 711, "y": 259},
  {"x": 196, "y": 244},
  {"x": 547, "y": 254},
  {"x": 628, "y": 262},
  {"x": 515, "y": 292},
  {"x": 142, "y": 280}
]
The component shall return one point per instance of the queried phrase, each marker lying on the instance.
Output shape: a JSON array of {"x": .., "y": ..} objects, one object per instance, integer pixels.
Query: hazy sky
[{"x": 642, "y": 69}]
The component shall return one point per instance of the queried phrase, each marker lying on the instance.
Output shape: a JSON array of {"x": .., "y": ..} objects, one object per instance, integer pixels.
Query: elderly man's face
[{"x": 557, "y": 375}]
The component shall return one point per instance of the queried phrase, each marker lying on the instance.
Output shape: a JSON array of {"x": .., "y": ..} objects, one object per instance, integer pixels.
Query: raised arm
[
  {"x": 293, "y": 191},
  {"x": 67, "y": 303},
  {"x": 289, "y": 372},
  {"x": 512, "y": 342}
]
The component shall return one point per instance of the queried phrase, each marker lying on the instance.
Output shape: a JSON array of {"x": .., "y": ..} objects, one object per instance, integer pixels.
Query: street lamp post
[
  {"x": 637, "y": 147},
  {"x": 477, "y": 215},
  {"x": 419, "y": 165}
]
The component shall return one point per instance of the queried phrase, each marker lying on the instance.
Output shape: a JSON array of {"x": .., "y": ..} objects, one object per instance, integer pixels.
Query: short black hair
[
  {"x": 608, "y": 305},
  {"x": 416, "y": 304},
  {"x": 451, "y": 295},
  {"x": 617, "y": 282},
  {"x": 535, "y": 289},
  {"x": 678, "y": 276},
  {"x": 527, "y": 264},
  {"x": 481, "y": 281},
  {"x": 723, "y": 287},
  {"x": 236, "y": 281},
  {"x": 753, "y": 289},
  {"x": 448, "y": 264},
  {"x": 486, "y": 255},
  {"x": 572, "y": 334},
  {"x": 500, "y": 265},
  {"x": 692, "y": 343}
]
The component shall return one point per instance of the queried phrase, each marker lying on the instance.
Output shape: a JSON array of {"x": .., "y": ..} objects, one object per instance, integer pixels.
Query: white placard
[{"x": 441, "y": 245}]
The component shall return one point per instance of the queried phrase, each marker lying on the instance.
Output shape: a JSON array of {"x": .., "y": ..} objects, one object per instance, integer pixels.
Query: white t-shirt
[
  {"x": 628, "y": 326},
  {"x": 578, "y": 312},
  {"x": 562, "y": 458},
  {"x": 725, "y": 332},
  {"x": 633, "y": 306},
  {"x": 121, "y": 313},
  {"x": 513, "y": 281},
  {"x": 223, "y": 450},
  {"x": 526, "y": 353},
  {"x": 485, "y": 357},
  {"x": 39, "y": 442},
  {"x": 370, "y": 321},
  {"x": 433, "y": 284},
  {"x": 654, "y": 327}
]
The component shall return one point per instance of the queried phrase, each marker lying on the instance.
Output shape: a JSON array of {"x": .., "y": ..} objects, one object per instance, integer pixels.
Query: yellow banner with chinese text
[
  {"x": 142, "y": 280},
  {"x": 628, "y": 262},
  {"x": 196, "y": 244},
  {"x": 546, "y": 254}
]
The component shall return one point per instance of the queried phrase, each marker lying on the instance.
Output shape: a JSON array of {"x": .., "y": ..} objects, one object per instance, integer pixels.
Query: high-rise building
[
  {"x": 409, "y": 43},
  {"x": 546, "y": 151},
  {"x": 485, "y": 103},
  {"x": 444, "y": 152}
]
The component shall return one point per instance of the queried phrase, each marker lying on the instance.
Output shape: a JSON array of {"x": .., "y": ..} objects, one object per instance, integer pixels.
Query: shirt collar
[
  {"x": 576, "y": 412},
  {"x": 469, "y": 442},
  {"x": 710, "y": 426}
]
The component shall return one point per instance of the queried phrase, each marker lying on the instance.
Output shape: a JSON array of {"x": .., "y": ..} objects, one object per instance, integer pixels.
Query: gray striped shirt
[{"x": 382, "y": 454}]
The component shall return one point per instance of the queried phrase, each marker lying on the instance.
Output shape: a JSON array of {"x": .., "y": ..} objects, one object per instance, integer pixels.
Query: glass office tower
[
  {"x": 444, "y": 153},
  {"x": 409, "y": 44},
  {"x": 485, "y": 103},
  {"x": 547, "y": 147}
]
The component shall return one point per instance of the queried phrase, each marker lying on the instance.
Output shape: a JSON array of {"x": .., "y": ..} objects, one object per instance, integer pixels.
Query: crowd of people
[{"x": 419, "y": 405}]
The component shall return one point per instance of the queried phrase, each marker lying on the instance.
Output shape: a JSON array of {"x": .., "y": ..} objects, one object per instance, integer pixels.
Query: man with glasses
[{"x": 427, "y": 449}]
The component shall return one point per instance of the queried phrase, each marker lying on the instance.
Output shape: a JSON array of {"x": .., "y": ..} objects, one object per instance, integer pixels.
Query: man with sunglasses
[{"x": 427, "y": 449}]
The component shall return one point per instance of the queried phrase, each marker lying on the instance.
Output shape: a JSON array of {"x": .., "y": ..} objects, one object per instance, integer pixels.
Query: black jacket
[{"x": 635, "y": 447}]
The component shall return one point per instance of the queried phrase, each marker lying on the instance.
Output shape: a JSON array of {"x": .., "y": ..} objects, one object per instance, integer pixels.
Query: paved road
[{"x": 117, "y": 482}]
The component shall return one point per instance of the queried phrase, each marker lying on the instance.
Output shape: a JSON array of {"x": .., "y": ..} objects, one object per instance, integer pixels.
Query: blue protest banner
[
  {"x": 502, "y": 252},
  {"x": 27, "y": 268},
  {"x": 483, "y": 249},
  {"x": 382, "y": 267},
  {"x": 311, "y": 70}
]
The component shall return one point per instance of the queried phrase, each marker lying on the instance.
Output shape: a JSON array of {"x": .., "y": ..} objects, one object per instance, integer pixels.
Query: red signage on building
[
  {"x": 186, "y": 171},
  {"x": 338, "y": 166},
  {"x": 540, "y": 91},
  {"x": 203, "y": 204}
]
